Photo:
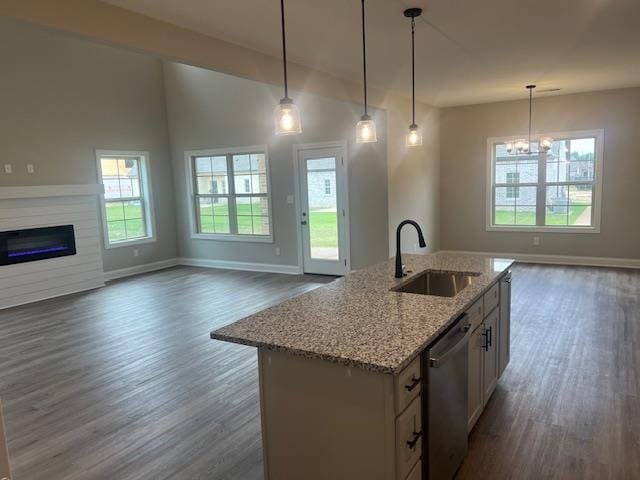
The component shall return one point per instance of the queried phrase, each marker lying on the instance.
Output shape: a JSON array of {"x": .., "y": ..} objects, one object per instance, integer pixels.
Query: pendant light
[
  {"x": 524, "y": 145},
  {"x": 414, "y": 137},
  {"x": 366, "y": 127},
  {"x": 287, "y": 115}
]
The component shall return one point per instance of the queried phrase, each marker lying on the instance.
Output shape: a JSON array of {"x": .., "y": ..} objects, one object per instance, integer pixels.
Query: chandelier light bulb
[
  {"x": 546, "y": 143},
  {"x": 287, "y": 118},
  {"x": 366, "y": 130},
  {"x": 414, "y": 137},
  {"x": 509, "y": 147}
]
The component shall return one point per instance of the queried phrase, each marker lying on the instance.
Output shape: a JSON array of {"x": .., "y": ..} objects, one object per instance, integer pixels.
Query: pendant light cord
[
  {"x": 364, "y": 59},
  {"x": 284, "y": 50},
  {"x": 413, "y": 70},
  {"x": 530, "y": 109}
]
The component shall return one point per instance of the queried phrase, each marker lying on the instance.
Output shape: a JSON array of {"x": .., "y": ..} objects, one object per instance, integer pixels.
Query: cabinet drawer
[
  {"x": 491, "y": 298},
  {"x": 407, "y": 385},
  {"x": 416, "y": 473},
  {"x": 408, "y": 438},
  {"x": 476, "y": 314}
]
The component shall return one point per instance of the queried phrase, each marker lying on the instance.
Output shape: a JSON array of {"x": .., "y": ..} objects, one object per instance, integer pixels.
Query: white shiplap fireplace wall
[{"x": 44, "y": 206}]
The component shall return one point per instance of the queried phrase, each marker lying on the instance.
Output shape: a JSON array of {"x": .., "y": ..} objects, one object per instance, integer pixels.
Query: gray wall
[
  {"x": 212, "y": 110},
  {"x": 61, "y": 98},
  {"x": 463, "y": 171}
]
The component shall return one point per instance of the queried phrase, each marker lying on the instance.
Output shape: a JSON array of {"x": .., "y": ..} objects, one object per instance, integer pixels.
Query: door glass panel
[{"x": 323, "y": 208}]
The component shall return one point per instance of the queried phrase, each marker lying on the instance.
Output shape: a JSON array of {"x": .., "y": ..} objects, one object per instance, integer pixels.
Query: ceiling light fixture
[
  {"x": 366, "y": 127},
  {"x": 287, "y": 115},
  {"x": 414, "y": 137},
  {"x": 524, "y": 146}
]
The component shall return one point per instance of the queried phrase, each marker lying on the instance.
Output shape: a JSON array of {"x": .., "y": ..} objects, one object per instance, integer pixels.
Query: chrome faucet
[{"x": 400, "y": 269}]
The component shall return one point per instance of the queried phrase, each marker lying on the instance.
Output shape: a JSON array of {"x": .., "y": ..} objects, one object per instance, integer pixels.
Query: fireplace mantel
[{"x": 45, "y": 191}]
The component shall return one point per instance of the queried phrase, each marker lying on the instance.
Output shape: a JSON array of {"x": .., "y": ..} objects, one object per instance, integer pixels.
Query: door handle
[
  {"x": 303, "y": 222},
  {"x": 416, "y": 436}
]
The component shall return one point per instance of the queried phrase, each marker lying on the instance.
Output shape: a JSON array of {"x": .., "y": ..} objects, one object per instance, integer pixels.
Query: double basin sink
[{"x": 440, "y": 284}]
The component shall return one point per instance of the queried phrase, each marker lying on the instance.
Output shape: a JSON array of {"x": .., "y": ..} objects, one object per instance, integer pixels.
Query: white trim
[
  {"x": 147, "y": 198},
  {"x": 244, "y": 266},
  {"x": 44, "y": 191},
  {"x": 138, "y": 269},
  {"x": 297, "y": 148},
  {"x": 226, "y": 237},
  {"x": 558, "y": 259},
  {"x": 597, "y": 194}
]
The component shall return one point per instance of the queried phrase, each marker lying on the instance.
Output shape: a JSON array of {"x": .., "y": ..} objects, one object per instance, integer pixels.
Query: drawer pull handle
[
  {"x": 414, "y": 383},
  {"x": 416, "y": 436}
]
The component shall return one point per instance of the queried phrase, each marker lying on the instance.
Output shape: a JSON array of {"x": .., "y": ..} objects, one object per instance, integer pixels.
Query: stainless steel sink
[{"x": 440, "y": 284}]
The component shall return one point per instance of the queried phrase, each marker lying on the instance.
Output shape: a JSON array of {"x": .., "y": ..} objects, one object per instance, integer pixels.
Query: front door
[{"x": 323, "y": 205}]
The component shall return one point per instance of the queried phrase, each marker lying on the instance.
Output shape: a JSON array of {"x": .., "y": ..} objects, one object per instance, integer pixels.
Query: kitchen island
[{"x": 343, "y": 368}]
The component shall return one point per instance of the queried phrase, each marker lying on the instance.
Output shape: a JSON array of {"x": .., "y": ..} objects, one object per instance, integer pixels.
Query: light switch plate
[
  {"x": 30, "y": 168},
  {"x": 7, "y": 168},
  {"x": 536, "y": 241},
  {"x": 290, "y": 199}
]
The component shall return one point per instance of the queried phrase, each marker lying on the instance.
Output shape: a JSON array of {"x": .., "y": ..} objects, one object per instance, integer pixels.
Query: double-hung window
[
  {"x": 127, "y": 210},
  {"x": 558, "y": 190},
  {"x": 229, "y": 191}
]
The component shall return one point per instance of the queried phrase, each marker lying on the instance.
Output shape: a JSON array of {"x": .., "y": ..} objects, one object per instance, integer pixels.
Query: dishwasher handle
[{"x": 463, "y": 335}]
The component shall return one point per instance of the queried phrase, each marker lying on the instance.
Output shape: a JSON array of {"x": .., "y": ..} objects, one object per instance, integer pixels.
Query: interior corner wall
[
  {"x": 463, "y": 188},
  {"x": 62, "y": 98},
  {"x": 209, "y": 110},
  {"x": 414, "y": 177}
]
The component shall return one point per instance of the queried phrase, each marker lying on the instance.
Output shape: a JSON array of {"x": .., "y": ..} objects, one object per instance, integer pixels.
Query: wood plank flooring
[{"x": 124, "y": 382}]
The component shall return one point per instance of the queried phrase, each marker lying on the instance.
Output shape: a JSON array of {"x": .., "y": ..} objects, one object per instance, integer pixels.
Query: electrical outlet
[
  {"x": 278, "y": 251},
  {"x": 536, "y": 241},
  {"x": 135, "y": 252},
  {"x": 290, "y": 199},
  {"x": 30, "y": 168},
  {"x": 7, "y": 168}
]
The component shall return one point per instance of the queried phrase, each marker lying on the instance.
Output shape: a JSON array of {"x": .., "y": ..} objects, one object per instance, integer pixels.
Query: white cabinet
[
  {"x": 490, "y": 355},
  {"x": 504, "y": 325},
  {"x": 475, "y": 402}
]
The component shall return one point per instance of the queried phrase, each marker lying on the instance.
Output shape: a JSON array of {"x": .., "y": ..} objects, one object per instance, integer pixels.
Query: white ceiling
[{"x": 468, "y": 51}]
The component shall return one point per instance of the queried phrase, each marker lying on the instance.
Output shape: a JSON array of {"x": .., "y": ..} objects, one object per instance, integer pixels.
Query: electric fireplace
[{"x": 29, "y": 245}]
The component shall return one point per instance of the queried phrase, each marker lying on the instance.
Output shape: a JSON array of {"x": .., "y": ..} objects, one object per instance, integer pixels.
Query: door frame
[{"x": 344, "y": 186}]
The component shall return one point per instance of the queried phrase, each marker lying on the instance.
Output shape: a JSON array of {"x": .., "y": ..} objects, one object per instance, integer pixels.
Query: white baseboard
[
  {"x": 560, "y": 259},
  {"x": 138, "y": 269},
  {"x": 245, "y": 266}
]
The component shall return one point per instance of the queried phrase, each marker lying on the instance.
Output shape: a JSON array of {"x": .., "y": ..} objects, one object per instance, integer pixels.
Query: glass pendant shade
[
  {"x": 509, "y": 147},
  {"x": 520, "y": 145},
  {"x": 546, "y": 143},
  {"x": 287, "y": 118},
  {"x": 414, "y": 137},
  {"x": 366, "y": 130}
]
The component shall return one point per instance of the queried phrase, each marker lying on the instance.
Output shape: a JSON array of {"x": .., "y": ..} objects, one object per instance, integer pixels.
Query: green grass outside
[
  {"x": 125, "y": 223},
  {"x": 323, "y": 228},
  {"x": 506, "y": 217}
]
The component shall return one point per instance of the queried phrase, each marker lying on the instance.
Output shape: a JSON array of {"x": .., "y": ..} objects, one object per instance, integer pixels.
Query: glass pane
[
  {"x": 219, "y": 165},
  {"x": 260, "y": 206},
  {"x": 557, "y": 195},
  {"x": 205, "y": 185},
  {"x": 115, "y": 211},
  {"x": 525, "y": 196},
  {"x": 243, "y": 214},
  {"x": 505, "y": 196},
  {"x": 205, "y": 214},
  {"x": 135, "y": 229},
  {"x": 581, "y": 194},
  {"x": 260, "y": 225},
  {"x": 527, "y": 168},
  {"x": 323, "y": 214},
  {"x": 321, "y": 164},
  {"x": 557, "y": 215},
  {"x": 241, "y": 164},
  {"x": 580, "y": 216},
  {"x": 258, "y": 163},
  {"x": 581, "y": 171},
  {"x": 505, "y": 169},
  {"x": 203, "y": 166},
  {"x": 206, "y": 224},
  {"x": 582, "y": 154},
  {"x": 259, "y": 183},
  {"x": 525, "y": 215},
  {"x": 116, "y": 231},
  {"x": 242, "y": 184},
  {"x": 505, "y": 215},
  {"x": 133, "y": 210},
  {"x": 221, "y": 223},
  {"x": 220, "y": 206}
]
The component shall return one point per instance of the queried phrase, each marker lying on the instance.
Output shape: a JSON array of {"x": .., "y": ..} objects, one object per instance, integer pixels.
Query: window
[
  {"x": 230, "y": 194},
  {"x": 126, "y": 203},
  {"x": 327, "y": 186},
  {"x": 554, "y": 191}
]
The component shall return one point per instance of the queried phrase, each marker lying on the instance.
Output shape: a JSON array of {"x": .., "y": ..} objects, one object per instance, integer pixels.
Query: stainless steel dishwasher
[{"x": 445, "y": 403}]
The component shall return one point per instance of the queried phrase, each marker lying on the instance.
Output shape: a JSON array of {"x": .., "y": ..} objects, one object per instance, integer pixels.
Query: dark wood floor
[{"x": 124, "y": 382}]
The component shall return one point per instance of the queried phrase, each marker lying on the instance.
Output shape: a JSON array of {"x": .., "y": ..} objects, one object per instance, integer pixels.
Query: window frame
[
  {"x": 541, "y": 185},
  {"x": 146, "y": 198},
  {"x": 190, "y": 178}
]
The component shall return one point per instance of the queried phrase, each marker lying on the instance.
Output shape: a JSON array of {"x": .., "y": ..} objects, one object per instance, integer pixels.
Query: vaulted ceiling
[{"x": 468, "y": 51}]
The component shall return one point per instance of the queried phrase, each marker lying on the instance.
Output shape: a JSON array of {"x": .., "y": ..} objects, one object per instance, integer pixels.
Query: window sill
[
  {"x": 232, "y": 237},
  {"x": 129, "y": 243},
  {"x": 537, "y": 229}
]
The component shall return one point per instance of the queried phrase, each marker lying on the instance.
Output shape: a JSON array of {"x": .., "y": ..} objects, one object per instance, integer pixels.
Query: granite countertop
[{"x": 357, "y": 321}]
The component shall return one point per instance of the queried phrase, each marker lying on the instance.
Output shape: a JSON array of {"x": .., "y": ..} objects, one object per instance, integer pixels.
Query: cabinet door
[
  {"x": 490, "y": 351},
  {"x": 475, "y": 387},
  {"x": 504, "y": 327}
]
